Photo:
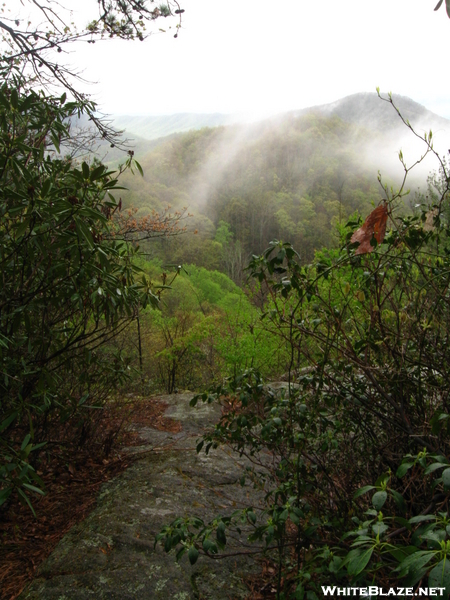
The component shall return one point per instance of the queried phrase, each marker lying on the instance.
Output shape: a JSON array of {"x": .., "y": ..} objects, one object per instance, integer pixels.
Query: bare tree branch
[{"x": 36, "y": 48}]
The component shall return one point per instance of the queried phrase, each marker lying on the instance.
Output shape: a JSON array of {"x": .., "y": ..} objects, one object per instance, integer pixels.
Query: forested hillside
[{"x": 295, "y": 179}]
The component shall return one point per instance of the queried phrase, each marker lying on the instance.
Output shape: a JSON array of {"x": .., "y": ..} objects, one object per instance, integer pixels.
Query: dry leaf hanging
[
  {"x": 373, "y": 226},
  {"x": 431, "y": 218}
]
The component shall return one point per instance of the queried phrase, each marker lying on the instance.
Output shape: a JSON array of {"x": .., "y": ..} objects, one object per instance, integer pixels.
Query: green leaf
[
  {"x": 83, "y": 399},
  {"x": 252, "y": 517},
  {"x": 85, "y": 170},
  {"x": 358, "y": 560},
  {"x": 221, "y": 537},
  {"x": 83, "y": 231},
  {"x": 434, "y": 467},
  {"x": 421, "y": 518},
  {"x": 403, "y": 468},
  {"x": 440, "y": 575},
  {"x": 414, "y": 562},
  {"x": 193, "y": 555},
  {"x": 139, "y": 168},
  {"x": 6, "y": 422},
  {"x": 401, "y": 553},
  {"x": 294, "y": 518},
  {"x": 55, "y": 142},
  {"x": 4, "y": 101},
  {"x": 363, "y": 490},
  {"x": 440, "y": 458},
  {"x": 3, "y": 344},
  {"x": 446, "y": 478},
  {"x": 379, "y": 499},
  {"x": 36, "y": 447},
  {"x": 97, "y": 172},
  {"x": 435, "y": 538},
  {"x": 14, "y": 98},
  {"x": 33, "y": 488},
  {"x": 25, "y": 500},
  {"x": 180, "y": 553},
  {"x": 5, "y": 494},
  {"x": 379, "y": 528},
  {"x": 25, "y": 441},
  {"x": 382, "y": 479},
  {"x": 209, "y": 546},
  {"x": 22, "y": 228},
  {"x": 168, "y": 543},
  {"x": 399, "y": 500},
  {"x": 46, "y": 186}
]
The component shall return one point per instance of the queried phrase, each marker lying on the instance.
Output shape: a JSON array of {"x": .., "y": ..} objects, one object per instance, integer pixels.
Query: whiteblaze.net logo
[{"x": 373, "y": 590}]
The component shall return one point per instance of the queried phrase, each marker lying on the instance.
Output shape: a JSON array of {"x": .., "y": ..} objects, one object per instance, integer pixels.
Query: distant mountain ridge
[
  {"x": 154, "y": 127},
  {"x": 364, "y": 109}
]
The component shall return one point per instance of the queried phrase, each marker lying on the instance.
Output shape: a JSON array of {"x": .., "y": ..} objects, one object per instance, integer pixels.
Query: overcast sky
[{"x": 264, "y": 56}]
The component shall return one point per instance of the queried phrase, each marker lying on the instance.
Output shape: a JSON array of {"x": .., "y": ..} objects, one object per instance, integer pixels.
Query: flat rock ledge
[{"x": 111, "y": 554}]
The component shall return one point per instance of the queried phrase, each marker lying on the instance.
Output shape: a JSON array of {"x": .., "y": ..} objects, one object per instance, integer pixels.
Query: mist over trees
[
  {"x": 105, "y": 295},
  {"x": 297, "y": 179}
]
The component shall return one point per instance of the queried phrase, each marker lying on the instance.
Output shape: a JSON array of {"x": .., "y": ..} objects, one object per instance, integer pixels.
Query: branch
[{"x": 125, "y": 19}]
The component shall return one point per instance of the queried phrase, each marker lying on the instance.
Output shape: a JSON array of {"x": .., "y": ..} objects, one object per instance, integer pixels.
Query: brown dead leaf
[{"x": 373, "y": 226}]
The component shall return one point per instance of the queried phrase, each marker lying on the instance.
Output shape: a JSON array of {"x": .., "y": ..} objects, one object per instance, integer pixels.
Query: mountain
[
  {"x": 367, "y": 110},
  {"x": 389, "y": 134},
  {"x": 293, "y": 176},
  {"x": 154, "y": 127},
  {"x": 292, "y": 179},
  {"x": 364, "y": 109}
]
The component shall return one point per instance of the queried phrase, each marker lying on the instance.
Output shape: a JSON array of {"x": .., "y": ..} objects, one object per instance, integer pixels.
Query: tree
[
  {"x": 38, "y": 44},
  {"x": 68, "y": 281}
]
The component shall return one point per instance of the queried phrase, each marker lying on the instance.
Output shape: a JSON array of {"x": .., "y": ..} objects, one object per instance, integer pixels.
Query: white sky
[{"x": 262, "y": 56}]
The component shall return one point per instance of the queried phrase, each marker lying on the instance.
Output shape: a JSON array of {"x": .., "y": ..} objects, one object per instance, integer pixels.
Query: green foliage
[
  {"x": 207, "y": 329},
  {"x": 367, "y": 393},
  {"x": 68, "y": 282}
]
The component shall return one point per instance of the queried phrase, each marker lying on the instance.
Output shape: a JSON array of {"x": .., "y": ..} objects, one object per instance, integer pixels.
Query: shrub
[{"x": 68, "y": 282}]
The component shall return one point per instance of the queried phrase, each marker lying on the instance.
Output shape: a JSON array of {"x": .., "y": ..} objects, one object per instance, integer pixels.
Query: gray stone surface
[{"x": 111, "y": 554}]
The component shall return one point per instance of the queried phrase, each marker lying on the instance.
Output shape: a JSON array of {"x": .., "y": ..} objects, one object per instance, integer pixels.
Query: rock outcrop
[{"x": 111, "y": 554}]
